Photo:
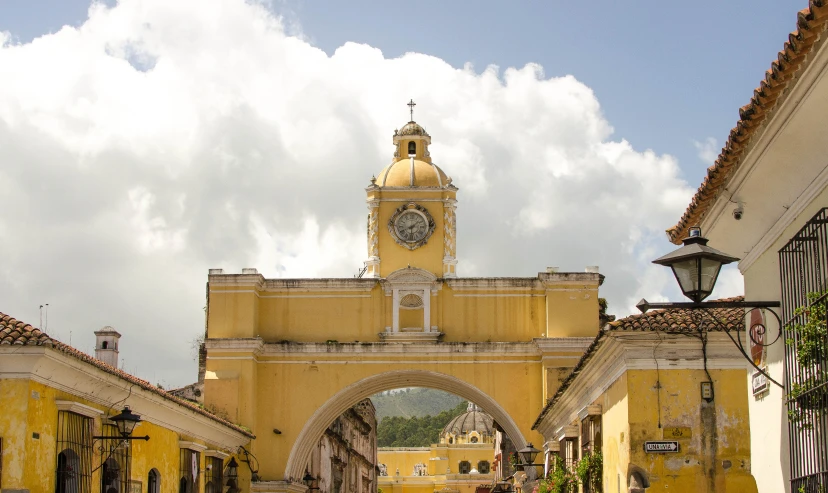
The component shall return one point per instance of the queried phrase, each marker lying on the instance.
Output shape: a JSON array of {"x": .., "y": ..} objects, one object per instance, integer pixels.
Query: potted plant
[{"x": 559, "y": 480}]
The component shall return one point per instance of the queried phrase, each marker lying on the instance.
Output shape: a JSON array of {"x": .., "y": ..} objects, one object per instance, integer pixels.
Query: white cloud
[
  {"x": 708, "y": 150},
  {"x": 139, "y": 150}
]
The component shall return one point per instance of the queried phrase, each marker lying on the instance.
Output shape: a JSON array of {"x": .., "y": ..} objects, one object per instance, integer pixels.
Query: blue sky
[{"x": 151, "y": 140}]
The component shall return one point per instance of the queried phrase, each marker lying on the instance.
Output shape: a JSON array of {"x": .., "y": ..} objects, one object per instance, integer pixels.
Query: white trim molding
[
  {"x": 196, "y": 447},
  {"x": 214, "y": 453},
  {"x": 78, "y": 408}
]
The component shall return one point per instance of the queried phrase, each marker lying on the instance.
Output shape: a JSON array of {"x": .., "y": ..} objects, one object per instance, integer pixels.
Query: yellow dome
[{"x": 399, "y": 174}]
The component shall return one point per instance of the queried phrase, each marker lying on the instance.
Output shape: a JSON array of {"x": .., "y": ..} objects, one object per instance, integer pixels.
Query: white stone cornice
[
  {"x": 315, "y": 349},
  {"x": 247, "y": 280},
  {"x": 494, "y": 283},
  {"x": 195, "y": 447},
  {"x": 554, "y": 344},
  {"x": 78, "y": 408},
  {"x": 253, "y": 345}
]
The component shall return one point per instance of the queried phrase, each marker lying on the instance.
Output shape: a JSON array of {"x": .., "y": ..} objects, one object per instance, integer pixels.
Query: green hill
[
  {"x": 416, "y": 431},
  {"x": 413, "y": 402}
]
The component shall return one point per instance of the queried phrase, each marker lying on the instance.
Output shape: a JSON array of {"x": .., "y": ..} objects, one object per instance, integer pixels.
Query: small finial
[
  {"x": 411, "y": 105},
  {"x": 373, "y": 180}
]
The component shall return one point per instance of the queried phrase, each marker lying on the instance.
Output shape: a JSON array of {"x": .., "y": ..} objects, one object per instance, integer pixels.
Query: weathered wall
[
  {"x": 716, "y": 458},
  {"x": 616, "y": 435}
]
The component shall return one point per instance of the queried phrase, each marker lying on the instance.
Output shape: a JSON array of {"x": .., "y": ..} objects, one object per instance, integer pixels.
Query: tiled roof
[
  {"x": 680, "y": 321},
  {"x": 669, "y": 321},
  {"x": 13, "y": 332},
  {"x": 811, "y": 24}
]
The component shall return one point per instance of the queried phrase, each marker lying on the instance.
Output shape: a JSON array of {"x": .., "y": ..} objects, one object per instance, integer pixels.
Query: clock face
[{"x": 411, "y": 226}]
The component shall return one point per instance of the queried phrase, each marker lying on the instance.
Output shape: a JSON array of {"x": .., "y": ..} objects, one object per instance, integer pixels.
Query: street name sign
[{"x": 661, "y": 447}]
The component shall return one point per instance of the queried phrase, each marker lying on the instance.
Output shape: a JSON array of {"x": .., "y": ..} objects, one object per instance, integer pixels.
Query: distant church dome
[{"x": 474, "y": 423}]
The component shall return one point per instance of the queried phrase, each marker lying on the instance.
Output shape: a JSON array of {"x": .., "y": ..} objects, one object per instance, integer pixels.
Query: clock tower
[{"x": 411, "y": 203}]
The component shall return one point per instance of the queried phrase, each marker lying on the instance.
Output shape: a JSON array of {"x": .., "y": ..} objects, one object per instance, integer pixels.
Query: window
[
  {"x": 804, "y": 277},
  {"x": 74, "y": 453},
  {"x": 188, "y": 471},
  {"x": 473, "y": 439},
  {"x": 483, "y": 467},
  {"x": 115, "y": 460},
  {"x": 569, "y": 451},
  {"x": 465, "y": 467},
  {"x": 412, "y": 148},
  {"x": 590, "y": 435},
  {"x": 213, "y": 476},
  {"x": 154, "y": 481},
  {"x": 104, "y": 345}
]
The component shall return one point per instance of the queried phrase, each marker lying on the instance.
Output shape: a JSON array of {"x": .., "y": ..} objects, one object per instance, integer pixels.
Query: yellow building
[
  {"x": 460, "y": 462},
  {"x": 294, "y": 354},
  {"x": 56, "y": 403},
  {"x": 639, "y": 397}
]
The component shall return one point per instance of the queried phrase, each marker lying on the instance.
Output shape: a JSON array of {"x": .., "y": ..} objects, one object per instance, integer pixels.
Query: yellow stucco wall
[
  {"x": 616, "y": 430},
  {"x": 442, "y": 462},
  {"x": 716, "y": 458},
  {"x": 30, "y": 463},
  {"x": 280, "y": 397}
]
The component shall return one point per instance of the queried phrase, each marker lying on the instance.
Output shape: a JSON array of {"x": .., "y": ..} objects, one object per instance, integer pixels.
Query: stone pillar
[
  {"x": 395, "y": 302},
  {"x": 372, "y": 265},
  {"x": 426, "y": 310}
]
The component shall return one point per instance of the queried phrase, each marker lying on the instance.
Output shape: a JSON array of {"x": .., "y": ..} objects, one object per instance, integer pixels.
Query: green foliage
[
  {"x": 396, "y": 431},
  {"x": 590, "y": 471},
  {"x": 810, "y": 341},
  {"x": 559, "y": 480},
  {"x": 414, "y": 402}
]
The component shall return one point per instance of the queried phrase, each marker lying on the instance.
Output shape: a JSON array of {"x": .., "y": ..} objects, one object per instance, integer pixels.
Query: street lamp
[
  {"x": 696, "y": 265},
  {"x": 527, "y": 456},
  {"x": 126, "y": 421},
  {"x": 309, "y": 480},
  {"x": 233, "y": 476}
]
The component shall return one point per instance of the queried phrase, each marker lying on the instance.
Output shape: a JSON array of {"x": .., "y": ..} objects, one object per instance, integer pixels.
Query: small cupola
[{"x": 106, "y": 346}]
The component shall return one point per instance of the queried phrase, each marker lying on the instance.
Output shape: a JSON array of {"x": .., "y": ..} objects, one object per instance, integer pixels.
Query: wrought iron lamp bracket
[{"x": 704, "y": 308}]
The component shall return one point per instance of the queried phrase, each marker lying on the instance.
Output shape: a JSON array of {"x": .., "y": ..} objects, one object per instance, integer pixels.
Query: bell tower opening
[{"x": 412, "y": 148}]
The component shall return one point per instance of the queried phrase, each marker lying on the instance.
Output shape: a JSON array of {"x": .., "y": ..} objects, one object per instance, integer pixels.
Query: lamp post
[
  {"x": 696, "y": 267},
  {"x": 126, "y": 421}
]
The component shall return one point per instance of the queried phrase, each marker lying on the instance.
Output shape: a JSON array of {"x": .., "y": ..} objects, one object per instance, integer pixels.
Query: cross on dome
[{"x": 411, "y": 104}]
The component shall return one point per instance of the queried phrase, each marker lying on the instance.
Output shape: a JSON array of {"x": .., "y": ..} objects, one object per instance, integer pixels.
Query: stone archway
[{"x": 348, "y": 396}]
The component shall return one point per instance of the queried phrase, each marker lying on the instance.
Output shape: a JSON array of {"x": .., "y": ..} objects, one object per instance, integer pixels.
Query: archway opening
[{"x": 315, "y": 427}]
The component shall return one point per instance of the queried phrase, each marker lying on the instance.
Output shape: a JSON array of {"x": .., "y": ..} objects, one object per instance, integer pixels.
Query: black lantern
[
  {"x": 309, "y": 480},
  {"x": 696, "y": 265},
  {"x": 126, "y": 421},
  {"x": 527, "y": 455},
  {"x": 233, "y": 476}
]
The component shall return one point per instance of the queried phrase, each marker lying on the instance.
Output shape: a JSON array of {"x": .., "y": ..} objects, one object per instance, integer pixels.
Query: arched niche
[{"x": 347, "y": 397}]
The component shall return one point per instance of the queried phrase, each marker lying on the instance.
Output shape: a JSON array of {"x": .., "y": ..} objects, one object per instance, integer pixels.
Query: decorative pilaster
[
  {"x": 373, "y": 263},
  {"x": 449, "y": 239}
]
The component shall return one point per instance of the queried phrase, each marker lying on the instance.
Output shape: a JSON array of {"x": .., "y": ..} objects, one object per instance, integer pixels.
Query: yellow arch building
[
  {"x": 285, "y": 357},
  {"x": 460, "y": 461}
]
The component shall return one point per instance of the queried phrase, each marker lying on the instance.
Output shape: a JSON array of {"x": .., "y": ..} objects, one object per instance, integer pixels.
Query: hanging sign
[
  {"x": 661, "y": 447},
  {"x": 758, "y": 350}
]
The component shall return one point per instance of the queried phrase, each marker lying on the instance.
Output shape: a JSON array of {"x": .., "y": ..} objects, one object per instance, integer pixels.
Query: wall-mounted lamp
[{"x": 126, "y": 421}]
